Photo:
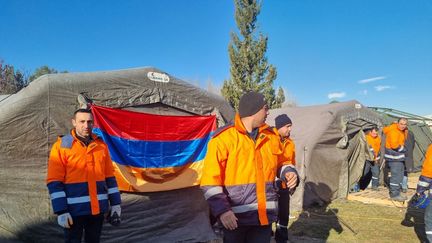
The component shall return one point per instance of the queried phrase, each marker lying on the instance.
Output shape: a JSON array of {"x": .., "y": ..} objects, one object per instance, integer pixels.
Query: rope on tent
[{"x": 5, "y": 97}]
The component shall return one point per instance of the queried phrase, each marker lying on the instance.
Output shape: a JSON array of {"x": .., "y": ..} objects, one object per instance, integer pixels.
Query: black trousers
[
  {"x": 248, "y": 234},
  {"x": 90, "y": 225},
  {"x": 281, "y": 234}
]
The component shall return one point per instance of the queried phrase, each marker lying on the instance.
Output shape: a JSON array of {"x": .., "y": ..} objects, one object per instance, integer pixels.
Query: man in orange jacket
[
  {"x": 81, "y": 182},
  {"x": 374, "y": 142},
  {"x": 424, "y": 184},
  {"x": 395, "y": 156},
  {"x": 283, "y": 125},
  {"x": 240, "y": 167}
]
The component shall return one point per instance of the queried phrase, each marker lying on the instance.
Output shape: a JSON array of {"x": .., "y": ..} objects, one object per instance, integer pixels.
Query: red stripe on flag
[{"x": 149, "y": 127}]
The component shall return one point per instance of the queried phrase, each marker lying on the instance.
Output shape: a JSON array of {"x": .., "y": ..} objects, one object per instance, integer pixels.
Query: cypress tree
[{"x": 249, "y": 69}]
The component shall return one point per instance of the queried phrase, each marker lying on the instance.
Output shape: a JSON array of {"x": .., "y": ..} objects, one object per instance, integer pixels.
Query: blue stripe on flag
[{"x": 154, "y": 154}]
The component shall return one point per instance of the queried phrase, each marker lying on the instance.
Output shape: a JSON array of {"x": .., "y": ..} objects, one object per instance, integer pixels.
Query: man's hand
[
  {"x": 291, "y": 179},
  {"x": 65, "y": 220},
  {"x": 229, "y": 220}
]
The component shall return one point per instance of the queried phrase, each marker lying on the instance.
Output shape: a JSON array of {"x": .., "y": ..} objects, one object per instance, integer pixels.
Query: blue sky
[{"x": 376, "y": 51}]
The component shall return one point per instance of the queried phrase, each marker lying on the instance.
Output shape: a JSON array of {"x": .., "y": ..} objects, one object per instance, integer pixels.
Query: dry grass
[
  {"x": 352, "y": 221},
  {"x": 368, "y": 223}
]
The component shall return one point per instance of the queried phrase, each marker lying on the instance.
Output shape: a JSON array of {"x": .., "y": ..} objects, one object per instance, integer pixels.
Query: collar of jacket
[
  {"x": 241, "y": 128},
  {"x": 74, "y": 135},
  {"x": 285, "y": 140}
]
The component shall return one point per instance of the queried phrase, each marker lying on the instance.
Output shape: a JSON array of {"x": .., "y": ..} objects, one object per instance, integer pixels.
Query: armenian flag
[{"x": 154, "y": 152}]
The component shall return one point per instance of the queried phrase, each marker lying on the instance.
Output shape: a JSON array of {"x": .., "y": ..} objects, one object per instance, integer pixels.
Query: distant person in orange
[
  {"x": 394, "y": 155},
  {"x": 374, "y": 142},
  {"x": 81, "y": 182},
  {"x": 283, "y": 124},
  {"x": 240, "y": 167},
  {"x": 424, "y": 184}
]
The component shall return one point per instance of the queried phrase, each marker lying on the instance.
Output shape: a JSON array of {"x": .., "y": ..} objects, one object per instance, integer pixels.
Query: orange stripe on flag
[{"x": 134, "y": 179}]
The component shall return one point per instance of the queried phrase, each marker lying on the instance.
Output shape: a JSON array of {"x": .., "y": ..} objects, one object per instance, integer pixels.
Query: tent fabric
[
  {"x": 31, "y": 120},
  {"x": 409, "y": 154},
  {"x": 149, "y": 152},
  {"x": 330, "y": 148},
  {"x": 4, "y": 96}
]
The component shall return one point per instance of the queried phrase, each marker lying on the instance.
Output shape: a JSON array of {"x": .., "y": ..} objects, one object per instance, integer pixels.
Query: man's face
[
  {"x": 260, "y": 116},
  {"x": 285, "y": 131},
  {"x": 402, "y": 124},
  {"x": 83, "y": 123},
  {"x": 374, "y": 133}
]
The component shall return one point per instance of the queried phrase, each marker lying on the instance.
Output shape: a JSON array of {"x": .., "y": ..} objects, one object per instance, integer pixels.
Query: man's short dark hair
[
  {"x": 374, "y": 128},
  {"x": 402, "y": 118},
  {"x": 81, "y": 111}
]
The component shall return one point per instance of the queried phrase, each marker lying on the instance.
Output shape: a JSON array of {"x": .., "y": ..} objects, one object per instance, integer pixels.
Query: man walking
[
  {"x": 240, "y": 167},
  {"x": 395, "y": 156},
  {"x": 81, "y": 182}
]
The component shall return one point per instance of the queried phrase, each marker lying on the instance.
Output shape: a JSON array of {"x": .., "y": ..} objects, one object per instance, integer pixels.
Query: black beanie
[
  {"x": 250, "y": 103},
  {"x": 282, "y": 120}
]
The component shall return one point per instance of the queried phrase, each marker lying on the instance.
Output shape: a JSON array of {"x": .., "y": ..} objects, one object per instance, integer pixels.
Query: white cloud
[
  {"x": 336, "y": 95},
  {"x": 380, "y": 88},
  {"x": 364, "y": 92},
  {"x": 368, "y": 80}
]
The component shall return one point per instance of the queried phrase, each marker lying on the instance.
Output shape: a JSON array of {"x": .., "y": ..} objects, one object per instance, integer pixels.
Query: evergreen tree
[
  {"x": 280, "y": 98},
  {"x": 42, "y": 71},
  {"x": 249, "y": 66},
  {"x": 11, "y": 80}
]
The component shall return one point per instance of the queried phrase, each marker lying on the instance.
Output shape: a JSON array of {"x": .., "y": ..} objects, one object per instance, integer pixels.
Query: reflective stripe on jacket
[
  {"x": 239, "y": 173},
  {"x": 425, "y": 179},
  {"x": 80, "y": 178},
  {"x": 394, "y": 146},
  {"x": 288, "y": 147}
]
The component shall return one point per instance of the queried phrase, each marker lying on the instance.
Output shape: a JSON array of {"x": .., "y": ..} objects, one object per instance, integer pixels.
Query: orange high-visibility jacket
[
  {"x": 425, "y": 180},
  {"x": 289, "y": 150},
  {"x": 394, "y": 144},
  {"x": 81, "y": 178},
  {"x": 374, "y": 144},
  {"x": 427, "y": 164},
  {"x": 239, "y": 173}
]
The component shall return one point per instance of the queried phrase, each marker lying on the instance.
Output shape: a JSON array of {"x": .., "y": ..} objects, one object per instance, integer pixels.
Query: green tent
[{"x": 419, "y": 128}]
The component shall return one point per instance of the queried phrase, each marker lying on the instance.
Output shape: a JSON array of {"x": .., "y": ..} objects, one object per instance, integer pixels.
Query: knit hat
[
  {"x": 282, "y": 120},
  {"x": 250, "y": 103}
]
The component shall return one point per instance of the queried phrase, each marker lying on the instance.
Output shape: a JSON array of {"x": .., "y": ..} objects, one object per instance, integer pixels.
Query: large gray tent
[
  {"x": 30, "y": 122},
  {"x": 330, "y": 148}
]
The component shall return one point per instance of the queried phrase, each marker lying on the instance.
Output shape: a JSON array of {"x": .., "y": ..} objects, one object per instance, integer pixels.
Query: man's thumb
[{"x": 70, "y": 221}]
